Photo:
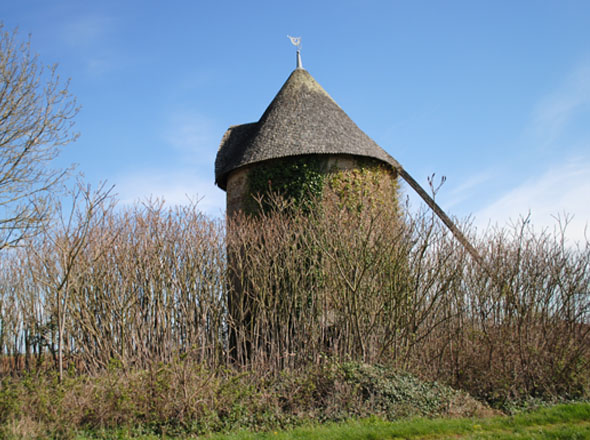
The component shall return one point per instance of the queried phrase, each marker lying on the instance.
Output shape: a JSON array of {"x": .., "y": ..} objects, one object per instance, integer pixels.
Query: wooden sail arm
[{"x": 443, "y": 216}]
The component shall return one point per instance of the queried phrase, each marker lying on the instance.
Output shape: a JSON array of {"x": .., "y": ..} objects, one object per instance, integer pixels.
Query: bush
[
  {"x": 155, "y": 285},
  {"x": 184, "y": 398}
]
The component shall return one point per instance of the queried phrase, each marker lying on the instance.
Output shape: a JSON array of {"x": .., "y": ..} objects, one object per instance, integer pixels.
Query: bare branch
[{"x": 36, "y": 120}]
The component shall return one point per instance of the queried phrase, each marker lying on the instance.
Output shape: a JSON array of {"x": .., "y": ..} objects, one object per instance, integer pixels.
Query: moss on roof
[{"x": 301, "y": 120}]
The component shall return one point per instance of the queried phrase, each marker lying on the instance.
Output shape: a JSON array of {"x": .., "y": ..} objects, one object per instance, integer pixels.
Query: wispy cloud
[
  {"x": 91, "y": 36},
  {"x": 557, "y": 124},
  {"x": 191, "y": 140},
  {"x": 563, "y": 189},
  {"x": 553, "y": 113},
  {"x": 175, "y": 188},
  {"x": 87, "y": 31},
  {"x": 193, "y": 135},
  {"x": 467, "y": 189}
]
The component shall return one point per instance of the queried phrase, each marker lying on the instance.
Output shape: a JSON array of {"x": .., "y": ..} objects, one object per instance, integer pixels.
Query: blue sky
[{"x": 494, "y": 95}]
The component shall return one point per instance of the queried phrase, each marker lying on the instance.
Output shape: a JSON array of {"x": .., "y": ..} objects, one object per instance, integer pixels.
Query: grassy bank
[{"x": 566, "y": 421}]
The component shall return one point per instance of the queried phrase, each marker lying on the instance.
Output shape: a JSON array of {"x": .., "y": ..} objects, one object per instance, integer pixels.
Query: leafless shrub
[
  {"x": 133, "y": 286},
  {"x": 285, "y": 289},
  {"x": 522, "y": 331},
  {"x": 156, "y": 292}
]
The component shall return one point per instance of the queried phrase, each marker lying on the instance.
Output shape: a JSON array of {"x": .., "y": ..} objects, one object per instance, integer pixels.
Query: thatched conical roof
[{"x": 301, "y": 120}]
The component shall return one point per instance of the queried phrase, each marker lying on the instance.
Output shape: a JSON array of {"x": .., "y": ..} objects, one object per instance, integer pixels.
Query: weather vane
[{"x": 296, "y": 41}]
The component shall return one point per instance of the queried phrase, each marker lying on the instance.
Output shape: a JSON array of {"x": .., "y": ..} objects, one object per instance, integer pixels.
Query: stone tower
[{"x": 303, "y": 138}]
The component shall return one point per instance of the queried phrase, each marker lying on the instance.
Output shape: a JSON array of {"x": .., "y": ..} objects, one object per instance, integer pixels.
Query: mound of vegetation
[
  {"x": 182, "y": 398},
  {"x": 94, "y": 341}
]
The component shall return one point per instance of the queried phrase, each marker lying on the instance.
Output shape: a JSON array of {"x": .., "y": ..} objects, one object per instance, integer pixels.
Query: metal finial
[{"x": 296, "y": 41}]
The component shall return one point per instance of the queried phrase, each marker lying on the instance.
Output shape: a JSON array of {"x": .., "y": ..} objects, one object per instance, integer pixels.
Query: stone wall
[{"x": 343, "y": 173}]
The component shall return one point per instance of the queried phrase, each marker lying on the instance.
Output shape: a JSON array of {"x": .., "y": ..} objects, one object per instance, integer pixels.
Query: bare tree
[
  {"x": 36, "y": 119},
  {"x": 59, "y": 271}
]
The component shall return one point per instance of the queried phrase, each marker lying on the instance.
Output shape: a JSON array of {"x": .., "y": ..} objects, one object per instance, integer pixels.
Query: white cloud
[
  {"x": 466, "y": 189},
  {"x": 91, "y": 36},
  {"x": 87, "y": 31},
  {"x": 553, "y": 113},
  {"x": 563, "y": 189},
  {"x": 192, "y": 142},
  {"x": 193, "y": 135},
  {"x": 175, "y": 188}
]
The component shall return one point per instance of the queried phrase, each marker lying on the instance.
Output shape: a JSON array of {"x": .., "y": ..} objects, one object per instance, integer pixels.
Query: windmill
[{"x": 304, "y": 121}]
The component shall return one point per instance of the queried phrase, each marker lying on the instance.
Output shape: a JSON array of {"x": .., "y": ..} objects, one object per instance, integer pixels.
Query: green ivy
[
  {"x": 297, "y": 180},
  {"x": 370, "y": 185},
  {"x": 300, "y": 181}
]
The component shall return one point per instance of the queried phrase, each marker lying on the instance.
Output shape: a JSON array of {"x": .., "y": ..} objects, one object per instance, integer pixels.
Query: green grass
[{"x": 568, "y": 421}]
